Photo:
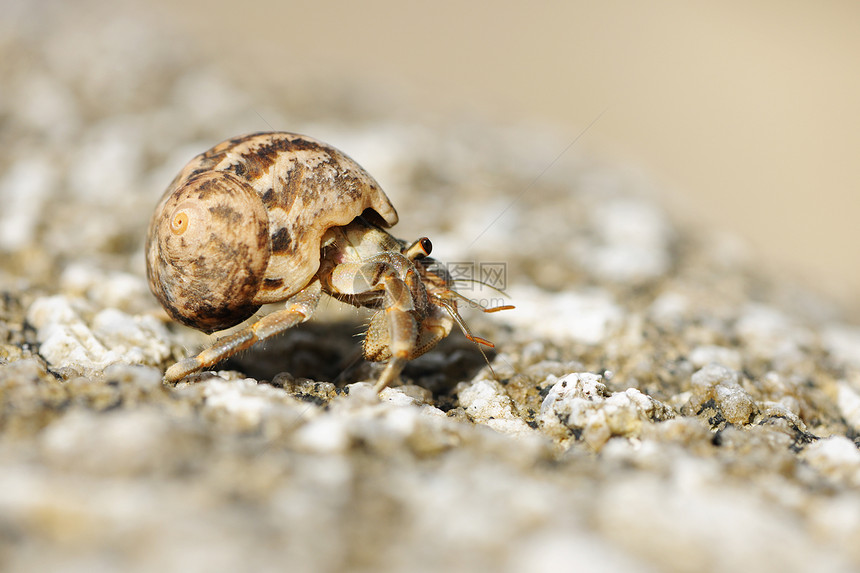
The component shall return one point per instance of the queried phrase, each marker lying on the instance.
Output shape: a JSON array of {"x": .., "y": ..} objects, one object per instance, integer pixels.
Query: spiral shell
[{"x": 242, "y": 225}]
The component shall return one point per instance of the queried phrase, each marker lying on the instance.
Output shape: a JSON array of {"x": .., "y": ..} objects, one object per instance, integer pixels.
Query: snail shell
[{"x": 242, "y": 225}]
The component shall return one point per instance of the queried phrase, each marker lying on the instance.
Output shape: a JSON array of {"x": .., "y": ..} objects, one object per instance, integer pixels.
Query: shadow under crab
[{"x": 327, "y": 352}]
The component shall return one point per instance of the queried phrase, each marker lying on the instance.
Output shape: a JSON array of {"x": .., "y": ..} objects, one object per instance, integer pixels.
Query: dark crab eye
[
  {"x": 418, "y": 249},
  {"x": 426, "y": 245}
]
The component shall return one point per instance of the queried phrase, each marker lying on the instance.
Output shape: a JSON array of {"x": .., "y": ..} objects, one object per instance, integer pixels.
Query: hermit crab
[{"x": 281, "y": 217}]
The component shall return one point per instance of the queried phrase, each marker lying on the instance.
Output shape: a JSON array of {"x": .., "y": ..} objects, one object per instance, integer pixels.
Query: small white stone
[
  {"x": 144, "y": 377},
  {"x": 842, "y": 342},
  {"x": 583, "y": 385},
  {"x": 719, "y": 383},
  {"x": 712, "y": 354},
  {"x": 714, "y": 374},
  {"x": 24, "y": 189},
  {"x": 67, "y": 341},
  {"x": 406, "y": 395},
  {"x": 486, "y": 402},
  {"x": 137, "y": 339},
  {"x": 110, "y": 289},
  {"x": 586, "y": 317},
  {"x": 533, "y": 352},
  {"x": 235, "y": 398},
  {"x": 848, "y": 401},
  {"x": 836, "y": 457},
  {"x": 360, "y": 394},
  {"x": 736, "y": 404},
  {"x": 769, "y": 333},
  {"x": 579, "y": 401},
  {"x": 634, "y": 242},
  {"x": 121, "y": 441},
  {"x": 401, "y": 420},
  {"x": 246, "y": 403},
  {"x": 323, "y": 434},
  {"x": 669, "y": 308}
]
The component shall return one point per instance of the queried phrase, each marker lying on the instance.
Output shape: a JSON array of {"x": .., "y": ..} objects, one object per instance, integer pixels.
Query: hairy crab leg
[{"x": 394, "y": 329}]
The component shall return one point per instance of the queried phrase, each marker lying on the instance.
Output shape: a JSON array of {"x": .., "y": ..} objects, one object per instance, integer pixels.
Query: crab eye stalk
[{"x": 419, "y": 249}]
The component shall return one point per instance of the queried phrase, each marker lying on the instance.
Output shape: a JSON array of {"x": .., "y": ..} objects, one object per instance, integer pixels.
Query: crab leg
[
  {"x": 393, "y": 330},
  {"x": 298, "y": 309}
]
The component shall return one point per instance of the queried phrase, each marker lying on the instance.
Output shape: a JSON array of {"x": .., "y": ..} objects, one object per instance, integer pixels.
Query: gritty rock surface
[
  {"x": 656, "y": 402},
  {"x": 581, "y": 405}
]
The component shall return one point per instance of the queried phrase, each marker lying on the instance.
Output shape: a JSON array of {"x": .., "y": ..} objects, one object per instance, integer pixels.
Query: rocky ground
[{"x": 656, "y": 401}]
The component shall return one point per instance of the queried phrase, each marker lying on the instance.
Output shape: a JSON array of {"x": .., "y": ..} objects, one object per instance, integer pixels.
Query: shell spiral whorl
[{"x": 208, "y": 249}]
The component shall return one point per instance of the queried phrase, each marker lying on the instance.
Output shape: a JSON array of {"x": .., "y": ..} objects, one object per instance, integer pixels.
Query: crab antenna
[
  {"x": 480, "y": 282},
  {"x": 483, "y": 308},
  {"x": 467, "y": 333},
  {"x": 498, "y": 308},
  {"x": 462, "y": 324}
]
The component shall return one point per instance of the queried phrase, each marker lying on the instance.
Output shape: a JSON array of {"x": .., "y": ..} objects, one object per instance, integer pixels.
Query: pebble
[
  {"x": 580, "y": 403},
  {"x": 68, "y": 340},
  {"x": 836, "y": 458},
  {"x": 713, "y": 354},
  {"x": 719, "y": 385},
  {"x": 842, "y": 342},
  {"x": 634, "y": 242},
  {"x": 486, "y": 402},
  {"x": 848, "y": 401}
]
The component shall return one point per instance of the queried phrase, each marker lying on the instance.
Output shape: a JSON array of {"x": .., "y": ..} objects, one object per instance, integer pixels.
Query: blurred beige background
[{"x": 746, "y": 111}]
